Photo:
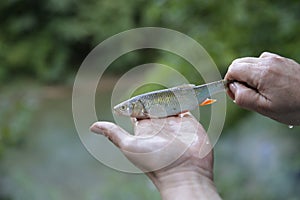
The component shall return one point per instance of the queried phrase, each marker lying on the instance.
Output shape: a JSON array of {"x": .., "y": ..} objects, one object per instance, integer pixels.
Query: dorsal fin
[{"x": 185, "y": 86}]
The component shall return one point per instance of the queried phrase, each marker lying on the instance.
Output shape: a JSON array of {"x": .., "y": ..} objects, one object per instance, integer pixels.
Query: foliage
[
  {"x": 16, "y": 110},
  {"x": 48, "y": 40}
]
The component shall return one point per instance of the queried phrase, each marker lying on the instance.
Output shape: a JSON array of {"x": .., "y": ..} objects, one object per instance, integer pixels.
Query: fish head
[
  {"x": 138, "y": 110},
  {"x": 131, "y": 108},
  {"x": 124, "y": 108}
]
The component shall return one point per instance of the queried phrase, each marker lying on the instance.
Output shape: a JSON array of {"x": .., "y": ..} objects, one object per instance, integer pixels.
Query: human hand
[
  {"x": 174, "y": 153},
  {"x": 269, "y": 85}
]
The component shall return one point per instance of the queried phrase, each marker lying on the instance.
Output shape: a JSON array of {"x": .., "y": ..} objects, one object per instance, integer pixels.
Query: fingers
[
  {"x": 247, "y": 97},
  {"x": 229, "y": 92},
  {"x": 114, "y": 133},
  {"x": 251, "y": 72},
  {"x": 245, "y": 70}
]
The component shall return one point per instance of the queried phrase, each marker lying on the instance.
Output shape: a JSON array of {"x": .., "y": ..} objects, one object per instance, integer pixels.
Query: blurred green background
[{"x": 42, "y": 44}]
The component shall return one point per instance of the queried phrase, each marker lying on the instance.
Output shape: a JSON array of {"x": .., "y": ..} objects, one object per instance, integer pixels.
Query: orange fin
[{"x": 208, "y": 102}]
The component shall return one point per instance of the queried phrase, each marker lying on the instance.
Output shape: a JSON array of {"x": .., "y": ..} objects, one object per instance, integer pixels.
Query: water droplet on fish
[
  {"x": 233, "y": 101},
  {"x": 291, "y": 126}
]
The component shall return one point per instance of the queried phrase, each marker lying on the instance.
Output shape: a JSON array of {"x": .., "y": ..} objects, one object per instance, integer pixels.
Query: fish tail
[{"x": 206, "y": 91}]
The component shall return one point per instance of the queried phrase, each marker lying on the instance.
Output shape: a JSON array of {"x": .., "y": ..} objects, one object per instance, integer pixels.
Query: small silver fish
[{"x": 170, "y": 102}]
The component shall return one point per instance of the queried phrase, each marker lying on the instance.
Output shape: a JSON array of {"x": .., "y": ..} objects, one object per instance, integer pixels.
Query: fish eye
[{"x": 123, "y": 107}]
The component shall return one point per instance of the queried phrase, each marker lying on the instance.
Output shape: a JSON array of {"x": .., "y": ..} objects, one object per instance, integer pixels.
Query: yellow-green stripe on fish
[{"x": 169, "y": 102}]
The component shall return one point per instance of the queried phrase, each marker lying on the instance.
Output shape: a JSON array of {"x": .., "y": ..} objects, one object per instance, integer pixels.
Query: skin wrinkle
[
  {"x": 241, "y": 68},
  {"x": 271, "y": 73},
  {"x": 265, "y": 103},
  {"x": 274, "y": 86}
]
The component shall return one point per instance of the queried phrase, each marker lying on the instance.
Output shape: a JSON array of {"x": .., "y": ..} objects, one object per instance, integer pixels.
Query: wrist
[{"x": 196, "y": 184}]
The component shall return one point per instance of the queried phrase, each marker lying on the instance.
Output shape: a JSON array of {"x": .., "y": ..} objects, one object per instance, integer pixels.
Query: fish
[{"x": 170, "y": 102}]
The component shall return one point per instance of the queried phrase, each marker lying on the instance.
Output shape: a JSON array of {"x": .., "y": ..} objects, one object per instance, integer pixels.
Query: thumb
[
  {"x": 114, "y": 133},
  {"x": 247, "y": 97}
]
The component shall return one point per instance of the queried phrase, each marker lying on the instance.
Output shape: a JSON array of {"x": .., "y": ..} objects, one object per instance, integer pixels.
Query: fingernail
[{"x": 233, "y": 87}]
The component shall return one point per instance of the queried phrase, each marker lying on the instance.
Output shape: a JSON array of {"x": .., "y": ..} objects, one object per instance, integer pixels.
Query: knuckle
[
  {"x": 265, "y": 54},
  {"x": 229, "y": 71},
  {"x": 272, "y": 66},
  {"x": 276, "y": 59},
  {"x": 268, "y": 54},
  {"x": 232, "y": 69},
  {"x": 272, "y": 58}
]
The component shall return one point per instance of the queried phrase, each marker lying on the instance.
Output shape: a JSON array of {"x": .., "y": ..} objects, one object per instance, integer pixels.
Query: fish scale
[{"x": 168, "y": 102}]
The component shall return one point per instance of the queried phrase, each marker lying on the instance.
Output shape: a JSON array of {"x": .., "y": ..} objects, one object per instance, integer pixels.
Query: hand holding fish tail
[
  {"x": 168, "y": 150},
  {"x": 269, "y": 84}
]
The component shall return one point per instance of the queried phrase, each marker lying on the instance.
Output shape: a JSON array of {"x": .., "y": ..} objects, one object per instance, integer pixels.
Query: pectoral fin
[{"x": 208, "y": 102}]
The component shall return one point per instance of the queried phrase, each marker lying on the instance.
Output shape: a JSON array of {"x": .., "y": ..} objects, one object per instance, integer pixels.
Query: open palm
[{"x": 160, "y": 146}]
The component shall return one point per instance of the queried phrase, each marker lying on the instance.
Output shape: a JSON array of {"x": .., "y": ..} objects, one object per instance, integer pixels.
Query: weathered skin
[
  {"x": 188, "y": 177},
  {"x": 169, "y": 102},
  {"x": 268, "y": 85}
]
